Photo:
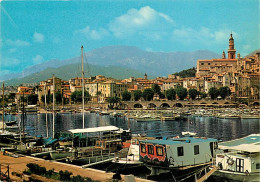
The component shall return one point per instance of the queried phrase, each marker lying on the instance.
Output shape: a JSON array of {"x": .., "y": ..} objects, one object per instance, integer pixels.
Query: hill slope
[
  {"x": 73, "y": 70},
  {"x": 153, "y": 63}
]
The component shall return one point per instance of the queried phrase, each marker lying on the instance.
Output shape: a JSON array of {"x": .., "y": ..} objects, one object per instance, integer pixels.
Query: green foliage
[
  {"x": 156, "y": 89},
  {"x": 65, "y": 176},
  {"x": 186, "y": 73},
  {"x": 112, "y": 101},
  {"x": 77, "y": 96},
  {"x": 11, "y": 96},
  {"x": 62, "y": 175},
  {"x": 148, "y": 94},
  {"x": 171, "y": 94},
  {"x": 213, "y": 92},
  {"x": 126, "y": 96},
  {"x": 181, "y": 92},
  {"x": 137, "y": 95},
  {"x": 224, "y": 92},
  {"x": 36, "y": 169},
  {"x": 203, "y": 95},
  {"x": 32, "y": 99},
  {"x": 193, "y": 93}
]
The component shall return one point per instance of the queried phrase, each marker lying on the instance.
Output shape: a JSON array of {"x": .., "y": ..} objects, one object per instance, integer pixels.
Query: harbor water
[{"x": 211, "y": 127}]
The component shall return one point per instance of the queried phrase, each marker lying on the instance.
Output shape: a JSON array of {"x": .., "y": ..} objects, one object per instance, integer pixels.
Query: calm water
[{"x": 224, "y": 129}]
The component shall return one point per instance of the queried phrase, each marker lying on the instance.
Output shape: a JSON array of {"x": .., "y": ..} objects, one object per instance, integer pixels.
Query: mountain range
[{"x": 113, "y": 61}]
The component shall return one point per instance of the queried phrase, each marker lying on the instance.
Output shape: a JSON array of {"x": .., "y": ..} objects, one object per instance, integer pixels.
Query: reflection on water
[{"x": 225, "y": 129}]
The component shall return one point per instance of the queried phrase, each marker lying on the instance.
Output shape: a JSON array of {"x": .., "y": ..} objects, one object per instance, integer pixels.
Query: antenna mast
[{"x": 83, "y": 96}]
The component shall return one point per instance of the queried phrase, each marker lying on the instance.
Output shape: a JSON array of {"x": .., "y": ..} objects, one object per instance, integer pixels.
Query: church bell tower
[{"x": 231, "y": 49}]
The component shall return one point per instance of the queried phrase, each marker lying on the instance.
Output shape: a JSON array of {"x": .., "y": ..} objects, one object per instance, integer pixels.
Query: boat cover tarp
[
  {"x": 49, "y": 141},
  {"x": 96, "y": 129},
  {"x": 249, "y": 143}
]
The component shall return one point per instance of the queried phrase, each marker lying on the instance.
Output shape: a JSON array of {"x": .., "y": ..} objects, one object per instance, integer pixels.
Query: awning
[{"x": 96, "y": 129}]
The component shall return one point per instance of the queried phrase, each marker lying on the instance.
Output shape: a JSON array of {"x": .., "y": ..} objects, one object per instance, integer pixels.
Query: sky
[{"x": 33, "y": 32}]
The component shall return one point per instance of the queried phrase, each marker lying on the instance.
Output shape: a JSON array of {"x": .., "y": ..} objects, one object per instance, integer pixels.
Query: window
[
  {"x": 202, "y": 63},
  {"x": 180, "y": 151},
  {"x": 143, "y": 148},
  {"x": 208, "y": 63},
  {"x": 257, "y": 166},
  {"x": 159, "y": 151},
  {"x": 150, "y": 149},
  {"x": 196, "y": 149}
]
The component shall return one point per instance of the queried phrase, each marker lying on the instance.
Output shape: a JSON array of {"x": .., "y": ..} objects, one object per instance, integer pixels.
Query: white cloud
[
  {"x": 17, "y": 42},
  {"x": 9, "y": 62},
  {"x": 203, "y": 36},
  {"x": 92, "y": 34},
  {"x": 140, "y": 21},
  {"x": 38, "y": 37},
  {"x": 38, "y": 59},
  {"x": 12, "y": 50}
]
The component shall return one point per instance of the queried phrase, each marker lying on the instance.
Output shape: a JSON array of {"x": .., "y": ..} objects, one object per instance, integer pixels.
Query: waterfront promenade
[{"x": 18, "y": 165}]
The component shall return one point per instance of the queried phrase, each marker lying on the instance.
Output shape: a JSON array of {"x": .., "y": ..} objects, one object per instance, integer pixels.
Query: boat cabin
[
  {"x": 178, "y": 152},
  {"x": 241, "y": 156},
  {"x": 110, "y": 145}
]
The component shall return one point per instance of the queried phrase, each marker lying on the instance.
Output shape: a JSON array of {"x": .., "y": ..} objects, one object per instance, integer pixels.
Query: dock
[
  {"x": 18, "y": 165},
  {"x": 208, "y": 174}
]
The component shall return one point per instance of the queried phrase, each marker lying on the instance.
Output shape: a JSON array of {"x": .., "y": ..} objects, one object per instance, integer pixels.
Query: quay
[{"x": 18, "y": 165}]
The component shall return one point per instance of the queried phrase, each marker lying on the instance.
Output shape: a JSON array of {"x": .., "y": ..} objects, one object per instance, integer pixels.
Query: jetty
[{"x": 17, "y": 164}]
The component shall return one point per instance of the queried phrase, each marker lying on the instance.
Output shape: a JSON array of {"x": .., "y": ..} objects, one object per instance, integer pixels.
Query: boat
[
  {"x": 165, "y": 155},
  {"x": 240, "y": 160},
  {"x": 147, "y": 117},
  {"x": 250, "y": 116},
  {"x": 85, "y": 138},
  {"x": 132, "y": 155}
]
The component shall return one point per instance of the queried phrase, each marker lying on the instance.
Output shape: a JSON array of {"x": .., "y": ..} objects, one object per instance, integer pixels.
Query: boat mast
[
  {"x": 3, "y": 103},
  {"x": 45, "y": 103},
  {"x": 53, "y": 105},
  {"x": 83, "y": 102}
]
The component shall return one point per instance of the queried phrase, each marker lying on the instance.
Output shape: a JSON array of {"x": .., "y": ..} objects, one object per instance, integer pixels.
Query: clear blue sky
[{"x": 37, "y": 31}]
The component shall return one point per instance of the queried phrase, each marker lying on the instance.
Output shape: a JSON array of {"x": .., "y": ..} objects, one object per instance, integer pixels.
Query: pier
[{"x": 18, "y": 165}]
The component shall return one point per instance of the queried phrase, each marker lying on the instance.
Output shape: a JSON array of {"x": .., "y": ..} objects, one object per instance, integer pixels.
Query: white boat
[
  {"x": 132, "y": 157},
  {"x": 240, "y": 159}
]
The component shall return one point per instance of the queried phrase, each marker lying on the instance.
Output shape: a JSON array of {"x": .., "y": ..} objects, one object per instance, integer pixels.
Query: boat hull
[{"x": 252, "y": 177}]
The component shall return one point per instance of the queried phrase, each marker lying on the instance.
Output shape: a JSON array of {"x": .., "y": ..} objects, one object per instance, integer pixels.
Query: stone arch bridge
[{"x": 153, "y": 104}]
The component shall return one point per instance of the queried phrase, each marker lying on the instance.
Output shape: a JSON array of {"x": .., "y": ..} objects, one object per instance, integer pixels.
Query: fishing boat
[
  {"x": 240, "y": 160},
  {"x": 165, "y": 155}
]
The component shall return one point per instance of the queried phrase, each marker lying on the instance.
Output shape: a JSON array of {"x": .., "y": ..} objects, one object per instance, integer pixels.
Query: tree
[
  {"x": 224, "y": 92},
  {"x": 11, "y": 96},
  {"x": 171, "y": 94},
  {"x": 203, "y": 95},
  {"x": 32, "y": 99},
  {"x": 77, "y": 96},
  {"x": 193, "y": 93},
  {"x": 181, "y": 92},
  {"x": 112, "y": 101},
  {"x": 213, "y": 92},
  {"x": 137, "y": 95},
  {"x": 126, "y": 96},
  {"x": 58, "y": 97},
  {"x": 148, "y": 94},
  {"x": 156, "y": 89}
]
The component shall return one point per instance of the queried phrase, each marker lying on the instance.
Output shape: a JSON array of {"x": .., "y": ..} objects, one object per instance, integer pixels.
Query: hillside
[
  {"x": 73, "y": 70},
  {"x": 153, "y": 63}
]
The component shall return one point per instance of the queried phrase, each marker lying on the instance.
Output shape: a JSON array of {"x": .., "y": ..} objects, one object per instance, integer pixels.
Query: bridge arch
[
  {"x": 138, "y": 105},
  {"x": 151, "y": 105},
  {"x": 215, "y": 103},
  {"x": 165, "y": 105},
  {"x": 226, "y": 103},
  {"x": 178, "y": 104}
]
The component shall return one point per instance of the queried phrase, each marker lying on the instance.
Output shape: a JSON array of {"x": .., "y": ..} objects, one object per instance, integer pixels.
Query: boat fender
[
  {"x": 230, "y": 161},
  {"x": 220, "y": 166}
]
